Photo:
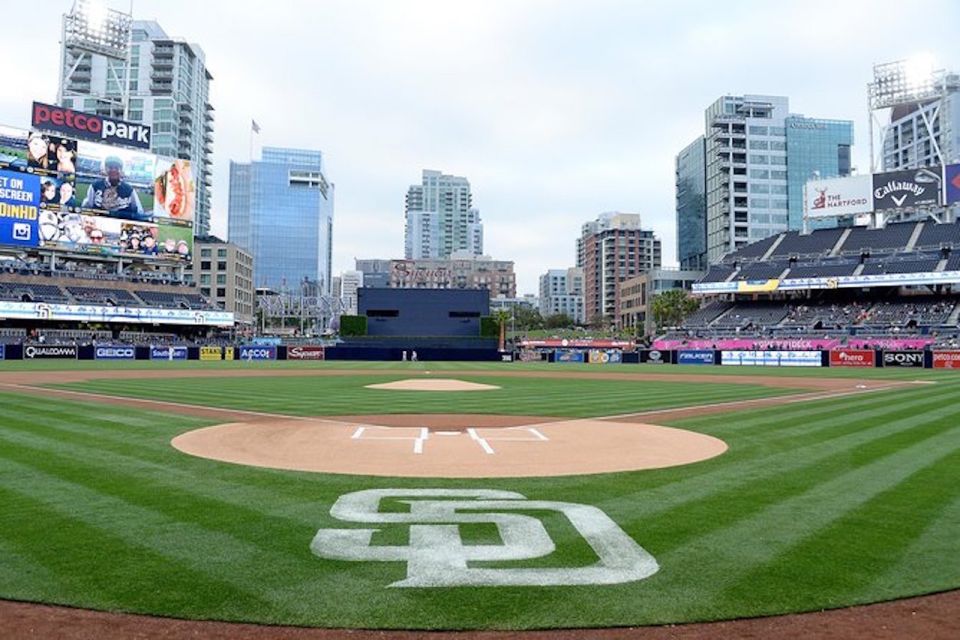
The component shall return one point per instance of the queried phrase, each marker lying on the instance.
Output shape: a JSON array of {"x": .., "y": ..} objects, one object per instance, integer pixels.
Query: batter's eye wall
[{"x": 423, "y": 312}]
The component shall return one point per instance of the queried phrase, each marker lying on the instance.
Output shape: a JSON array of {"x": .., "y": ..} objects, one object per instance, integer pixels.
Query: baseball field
[{"x": 474, "y": 496}]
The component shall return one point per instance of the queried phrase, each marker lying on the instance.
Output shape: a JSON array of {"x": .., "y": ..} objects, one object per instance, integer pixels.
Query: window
[
  {"x": 780, "y": 160},
  {"x": 779, "y": 189},
  {"x": 221, "y": 253},
  {"x": 759, "y": 144},
  {"x": 204, "y": 253},
  {"x": 758, "y": 131},
  {"x": 759, "y": 159},
  {"x": 205, "y": 278},
  {"x": 762, "y": 203},
  {"x": 778, "y": 146},
  {"x": 205, "y": 265},
  {"x": 762, "y": 174},
  {"x": 222, "y": 265},
  {"x": 778, "y": 131},
  {"x": 221, "y": 278},
  {"x": 221, "y": 292},
  {"x": 759, "y": 188},
  {"x": 778, "y": 175}
]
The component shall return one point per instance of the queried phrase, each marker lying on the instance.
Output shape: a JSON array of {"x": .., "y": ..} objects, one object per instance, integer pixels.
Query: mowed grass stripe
[
  {"x": 884, "y": 526},
  {"x": 146, "y": 519},
  {"x": 677, "y": 488},
  {"x": 723, "y": 556},
  {"x": 315, "y": 396}
]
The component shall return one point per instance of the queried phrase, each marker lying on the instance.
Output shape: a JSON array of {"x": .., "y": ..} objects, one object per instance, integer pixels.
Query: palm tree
[{"x": 502, "y": 316}]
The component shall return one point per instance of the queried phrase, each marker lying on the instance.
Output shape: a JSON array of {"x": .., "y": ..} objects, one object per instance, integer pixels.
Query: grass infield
[{"x": 817, "y": 504}]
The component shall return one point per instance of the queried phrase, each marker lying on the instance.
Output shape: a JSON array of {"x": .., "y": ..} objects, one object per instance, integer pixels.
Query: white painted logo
[{"x": 437, "y": 556}]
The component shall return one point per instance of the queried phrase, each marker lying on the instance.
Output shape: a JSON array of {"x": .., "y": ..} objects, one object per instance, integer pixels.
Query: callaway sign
[
  {"x": 912, "y": 188},
  {"x": 437, "y": 555},
  {"x": 89, "y": 126}
]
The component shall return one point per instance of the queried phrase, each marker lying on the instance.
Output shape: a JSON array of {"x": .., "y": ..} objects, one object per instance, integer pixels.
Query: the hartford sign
[
  {"x": 89, "y": 126},
  {"x": 839, "y": 197}
]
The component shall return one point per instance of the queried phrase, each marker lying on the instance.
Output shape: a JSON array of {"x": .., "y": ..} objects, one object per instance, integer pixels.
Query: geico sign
[
  {"x": 89, "y": 126},
  {"x": 115, "y": 352}
]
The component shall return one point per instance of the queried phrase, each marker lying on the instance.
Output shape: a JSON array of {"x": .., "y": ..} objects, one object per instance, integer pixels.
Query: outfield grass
[{"x": 817, "y": 504}]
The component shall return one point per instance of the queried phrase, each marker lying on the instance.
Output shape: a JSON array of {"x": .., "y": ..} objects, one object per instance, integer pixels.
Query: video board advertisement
[
  {"x": 19, "y": 209},
  {"x": 102, "y": 199}
]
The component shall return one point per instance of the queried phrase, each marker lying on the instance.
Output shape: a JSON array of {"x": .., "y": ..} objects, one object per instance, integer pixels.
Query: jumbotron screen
[{"x": 81, "y": 196}]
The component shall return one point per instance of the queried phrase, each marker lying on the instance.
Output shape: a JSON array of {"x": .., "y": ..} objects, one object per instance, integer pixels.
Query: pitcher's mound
[{"x": 432, "y": 384}]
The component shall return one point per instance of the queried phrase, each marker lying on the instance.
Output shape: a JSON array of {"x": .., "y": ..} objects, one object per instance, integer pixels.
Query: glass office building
[
  {"x": 692, "y": 206},
  {"x": 281, "y": 211},
  {"x": 816, "y": 148}
]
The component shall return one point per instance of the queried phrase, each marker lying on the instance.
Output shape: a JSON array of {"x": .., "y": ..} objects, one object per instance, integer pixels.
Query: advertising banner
[
  {"x": 757, "y": 286},
  {"x": 310, "y": 352},
  {"x": 903, "y": 359},
  {"x": 228, "y": 353},
  {"x": 257, "y": 352},
  {"x": 168, "y": 353},
  {"x": 796, "y": 344},
  {"x": 3, "y": 354},
  {"x": 952, "y": 175},
  {"x": 568, "y": 355},
  {"x": 19, "y": 209},
  {"x": 211, "y": 353},
  {"x": 839, "y": 197},
  {"x": 654, "y": 356},
  {"x": 908, "y": 188},
  {"x": 47, "y": 351},
  {"x": 114, "y": 352},
  {"x": 853, "y": 358},
  {"x": 695, "y": 357},
  {"x": 104, "y": 313},
  {"x": 946, "y": 359},
  {"x": 771, "y": 358},
  {"x": 598, "y": 356},
  {"x": 89, "y": 126}
]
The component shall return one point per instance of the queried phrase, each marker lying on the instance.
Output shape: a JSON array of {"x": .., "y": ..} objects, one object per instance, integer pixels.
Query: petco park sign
[
  {"x": 436, "y": 555},
  {"x": 89, "y": 126}
]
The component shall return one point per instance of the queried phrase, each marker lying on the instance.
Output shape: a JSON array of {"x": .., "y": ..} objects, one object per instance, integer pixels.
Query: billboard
[
  {"x": 568, "y": 355},
  {"x": 107, "y": 313},
  {"x": 168, "y": 353},
  {"x": 13, "y": 148},
  {"x": 654, "y": 356},
  {"x": 946, "y": 359},
  {"x": 89, "y": 126},
  {"x": 308, "y": 352},
  {"x": 771, "y": 358},
  {"x": 852, "y": 358},
  {"x": 3, "y": 354},
  {"x": 902, "y": 358},
  {"x": 838, "y": 197},
  {"x": 211, "y": 353},
  {"x": 19, "y": 209},
  {"x": 908, "y": 188},
  {"x": 43, "y": 351},
  {"x": 252, "y": 352},
  {"x": 952, "y": 177},
  {"x": 698, "y": 356},
  {"x": 601, "y": 356},
  {"x": 114, "y": 352}
]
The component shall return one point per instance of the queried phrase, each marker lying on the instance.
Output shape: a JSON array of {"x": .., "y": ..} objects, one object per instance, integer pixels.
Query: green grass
[{"x": 816, "y": 505}]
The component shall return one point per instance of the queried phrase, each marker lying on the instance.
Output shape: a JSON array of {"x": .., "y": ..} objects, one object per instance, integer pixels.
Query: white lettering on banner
[{"x": 437, "y": 556}]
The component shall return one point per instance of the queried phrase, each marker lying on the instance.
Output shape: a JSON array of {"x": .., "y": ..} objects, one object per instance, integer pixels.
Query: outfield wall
[{"x": 840, "y": 357}]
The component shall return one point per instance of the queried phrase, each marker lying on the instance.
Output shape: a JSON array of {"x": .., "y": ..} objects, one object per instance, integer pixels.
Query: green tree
[
  {"x": 558, "y": 321},
  {"x": 502, "y": 316},
  {"x": 527, "y": 318},
  {"x": 671, "y": 307}
]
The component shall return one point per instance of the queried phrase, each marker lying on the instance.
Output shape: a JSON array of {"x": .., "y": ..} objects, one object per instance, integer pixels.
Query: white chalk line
[
  {"x": 359, "y": 432},
  {"x": 482, "y": 442},
  {"x": 418, "y": 443}
]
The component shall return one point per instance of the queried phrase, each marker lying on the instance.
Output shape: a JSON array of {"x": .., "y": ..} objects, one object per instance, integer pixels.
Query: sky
[{"x": 555, "y": 111}]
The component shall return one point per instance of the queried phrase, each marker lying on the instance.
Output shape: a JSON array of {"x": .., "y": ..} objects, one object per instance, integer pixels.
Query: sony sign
[
  {"x": 89, "y": 126},
  {"x": 903, "y": 358}
]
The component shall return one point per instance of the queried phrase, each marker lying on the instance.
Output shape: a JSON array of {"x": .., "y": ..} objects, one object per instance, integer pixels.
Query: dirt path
[{"x": 930, "y": 617}]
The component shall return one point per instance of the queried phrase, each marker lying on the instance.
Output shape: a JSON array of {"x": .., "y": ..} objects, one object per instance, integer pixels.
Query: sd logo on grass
[{"x": 438, "y": 557}]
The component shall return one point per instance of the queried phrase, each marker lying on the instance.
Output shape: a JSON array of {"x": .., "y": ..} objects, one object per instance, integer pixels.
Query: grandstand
[{"x": 849, "y": 284}]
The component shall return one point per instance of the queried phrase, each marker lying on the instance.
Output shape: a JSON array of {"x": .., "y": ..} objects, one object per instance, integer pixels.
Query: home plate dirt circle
[{"x": 450, "y": 445}]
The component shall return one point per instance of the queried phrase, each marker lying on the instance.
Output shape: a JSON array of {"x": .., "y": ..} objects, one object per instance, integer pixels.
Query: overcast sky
[{"x": 555, "y": 111}]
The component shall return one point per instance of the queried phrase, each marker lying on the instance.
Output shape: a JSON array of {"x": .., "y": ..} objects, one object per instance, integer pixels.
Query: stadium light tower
[
  {"x": 905, "y": 83},
  {"x": 91, "y": 28}
]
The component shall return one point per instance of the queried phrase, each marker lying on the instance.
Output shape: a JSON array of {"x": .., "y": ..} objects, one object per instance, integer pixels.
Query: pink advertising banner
[{"x": 794, "y": 344}]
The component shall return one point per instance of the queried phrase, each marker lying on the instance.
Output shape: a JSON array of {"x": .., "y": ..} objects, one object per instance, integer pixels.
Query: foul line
[{"x": 418, "y": 442}]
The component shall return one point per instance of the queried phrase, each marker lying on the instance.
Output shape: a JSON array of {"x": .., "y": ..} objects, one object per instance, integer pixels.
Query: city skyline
[{"x": 550, "y": 134}]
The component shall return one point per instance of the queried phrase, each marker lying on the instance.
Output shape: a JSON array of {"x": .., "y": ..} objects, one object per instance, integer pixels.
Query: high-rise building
[
  {"x": 691, "y": 171},
  {"x": 561, "y": 292},
  {"x": 224, "y": 273},
  {"x": 611, "y": 249},
  {"x": 816, "y": 148},
  {"x": 149, "y": 77},
  {"x": 750, "y": 171},
  {"x": 350, "y": 281},
  {"x": 918, "y": 129},
  {"x": 281, "y": 210},
  {"x": 440, "y": 218}
]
